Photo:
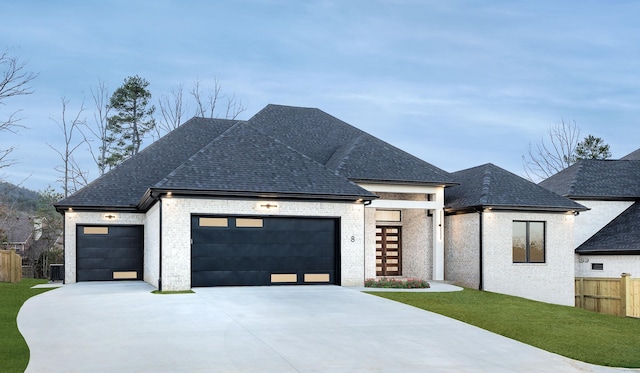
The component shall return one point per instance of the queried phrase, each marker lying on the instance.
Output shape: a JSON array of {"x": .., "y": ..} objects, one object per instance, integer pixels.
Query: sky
[{"x": 455, "y": 83}]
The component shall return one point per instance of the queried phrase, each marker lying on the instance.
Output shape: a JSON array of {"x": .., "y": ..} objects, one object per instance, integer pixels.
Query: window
[
  {"x": 388, "y": 215},
  {"x": 528, "y": 242}
]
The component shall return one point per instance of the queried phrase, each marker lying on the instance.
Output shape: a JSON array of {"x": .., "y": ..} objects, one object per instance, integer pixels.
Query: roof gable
[
  {"x": 598, "y": 179},
  {"x": 620, "y": 236},
  {"x": 343, "y": 148},
  {"x": 491, "y": 186},
  {"x": 246, "y": 161}
]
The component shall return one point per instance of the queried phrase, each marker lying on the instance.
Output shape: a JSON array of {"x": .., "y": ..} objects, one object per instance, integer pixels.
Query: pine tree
[
  {"x": 132, "y": 120},
  {"x": 592, "y": 148}
]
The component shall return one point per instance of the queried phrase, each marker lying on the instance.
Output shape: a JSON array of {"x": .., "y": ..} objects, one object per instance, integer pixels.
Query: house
[
  {"x": 291, "y": 196},
  {"x": 16, "y": 232},
  {"x": 296, "y": 196},
  {"x": 508, "y": 235},
  {"x": 607, "y": 237}
]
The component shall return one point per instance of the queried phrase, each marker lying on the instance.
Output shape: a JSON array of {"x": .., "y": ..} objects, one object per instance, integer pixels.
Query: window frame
[{"x": 527, "y": 248}]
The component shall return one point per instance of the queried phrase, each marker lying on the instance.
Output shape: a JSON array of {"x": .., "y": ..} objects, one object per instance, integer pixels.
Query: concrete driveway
[{"x": 122, "y": 327}]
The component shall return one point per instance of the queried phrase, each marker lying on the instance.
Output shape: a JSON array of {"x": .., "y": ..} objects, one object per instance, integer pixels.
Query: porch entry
[{"x": 388, "y": 251}]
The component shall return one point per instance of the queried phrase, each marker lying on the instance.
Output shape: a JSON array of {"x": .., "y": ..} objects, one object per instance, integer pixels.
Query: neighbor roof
[
  {"x": 489, "y": 186},
  {"x": 344, "y": 149},
  {"x": 597, "y": 179},
  {"x": 620, "y": 236},
  {"x": 633, "y": 156}
]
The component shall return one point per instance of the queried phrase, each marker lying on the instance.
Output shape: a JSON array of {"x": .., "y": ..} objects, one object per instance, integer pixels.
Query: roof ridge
[
  {"x": 300, "y": 153},
  {"x": 574, "y": 183},
  {"x": 194, "y": 155},
  {"x": 486, "y": 184}
]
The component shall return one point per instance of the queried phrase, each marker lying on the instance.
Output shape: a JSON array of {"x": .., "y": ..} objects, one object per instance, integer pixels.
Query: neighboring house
[
  {"x": 291, "y": 196},
  {"x": 607, "y": 237},
  {"x": 16, "y": 232},
  {"x": 508, "y": 235}
]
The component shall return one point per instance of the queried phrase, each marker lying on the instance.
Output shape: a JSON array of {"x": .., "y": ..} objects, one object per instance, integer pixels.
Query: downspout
[
  {"x": 160, "y": 246},
  {"x": 480, "y": 260}
]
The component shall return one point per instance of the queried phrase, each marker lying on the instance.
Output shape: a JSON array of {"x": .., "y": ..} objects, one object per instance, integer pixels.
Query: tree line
[{"x": 125, "y": 118}]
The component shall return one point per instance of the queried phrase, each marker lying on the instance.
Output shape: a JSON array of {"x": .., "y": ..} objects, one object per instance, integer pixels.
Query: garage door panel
[
  {"x": 100, "y": 255},
  {"x": 291, "y": 247},
  {"x": 230, "y": 278}
]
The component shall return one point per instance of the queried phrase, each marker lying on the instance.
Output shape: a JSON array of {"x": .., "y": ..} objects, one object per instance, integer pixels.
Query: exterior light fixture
[
  {"x": 110, "y": 216},
  {"x": 269, "y": 206}
]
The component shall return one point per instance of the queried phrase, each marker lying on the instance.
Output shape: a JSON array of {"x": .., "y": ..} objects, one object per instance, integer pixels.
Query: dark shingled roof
[
  {"x": 620, "y": 236},
  {"x": 491, "y": 186},
  {"x": 597, "y": 179},
  {"x": 282, "y": 150},
  {"x": 633, "y": 156},
  {"x": 124, "y": 186},
  {"x": 245, "y": 161},
  {"x": 344, "y": 149}
]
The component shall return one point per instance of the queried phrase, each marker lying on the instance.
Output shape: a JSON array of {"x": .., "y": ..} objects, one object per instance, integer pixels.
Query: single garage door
[
  {"x": 110, "y": 252},
  {"x": 229, "y": 251}
]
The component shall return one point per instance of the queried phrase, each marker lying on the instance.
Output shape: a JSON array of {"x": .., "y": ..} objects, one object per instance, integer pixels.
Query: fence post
[
  {"x": 625, "y": 297},
  {"x": 581, "y": 288}
]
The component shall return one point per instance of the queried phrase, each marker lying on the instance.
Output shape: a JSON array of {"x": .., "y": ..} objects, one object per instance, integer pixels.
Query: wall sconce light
[
  {"x": 267, "y": 206},
  {"x": 110, "y": 216}
]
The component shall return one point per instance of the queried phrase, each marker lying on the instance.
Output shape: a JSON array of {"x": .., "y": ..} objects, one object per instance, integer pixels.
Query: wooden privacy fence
[
  {"x": 613, "y": 296},
  {"x": 10, "y": 266}
]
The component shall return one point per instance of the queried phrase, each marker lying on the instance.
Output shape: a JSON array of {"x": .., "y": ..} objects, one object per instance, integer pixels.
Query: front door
[{"x": 388, "y": 251}]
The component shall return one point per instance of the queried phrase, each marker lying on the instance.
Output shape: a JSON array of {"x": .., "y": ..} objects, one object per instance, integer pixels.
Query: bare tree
[
  {"x": 172, "y": 110},
  {"x": 14, "y": 81},
  {"x": 549, "y": 157},
  {"x": 72, "y": 176},
  {"x": 208, "y": 104},
  {"x": 206, "y": 107},
  {"x": 100, "y": 131}
]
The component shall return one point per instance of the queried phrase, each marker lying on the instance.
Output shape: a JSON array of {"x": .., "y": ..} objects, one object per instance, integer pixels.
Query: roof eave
[
  {"x": 552, "y": 209},
  {"x": 95, "y": 208},
  {"x": 153, "y": 193},
  {"x": 609, "y": 252},
  {"x": 405, "y": 182}
]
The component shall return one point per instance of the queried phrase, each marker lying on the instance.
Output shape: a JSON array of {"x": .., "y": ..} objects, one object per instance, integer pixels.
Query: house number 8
[{"x": 353, "y": 238}]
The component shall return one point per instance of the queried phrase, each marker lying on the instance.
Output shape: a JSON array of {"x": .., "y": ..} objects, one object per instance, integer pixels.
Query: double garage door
[
  {"x": 228, "y": 251},
  {"x": 225, "y": 251}
]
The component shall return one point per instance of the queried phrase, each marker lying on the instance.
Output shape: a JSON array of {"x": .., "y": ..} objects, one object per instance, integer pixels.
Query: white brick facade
[
  {"x": 552, "y": 281},
  {"x": 462, "y": 242},
  {"x": 176, "y": 226},
  {"x": 151, "y": 245},
  {"x": 600, "y": 214},
  {"x": 613, "y": 265},
  {"x": 73, "y": 219}
]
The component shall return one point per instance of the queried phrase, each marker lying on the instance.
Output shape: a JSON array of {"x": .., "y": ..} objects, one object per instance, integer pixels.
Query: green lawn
[
  {"x": 575, "y": 333},
  {"x": 14, "y": 353}
]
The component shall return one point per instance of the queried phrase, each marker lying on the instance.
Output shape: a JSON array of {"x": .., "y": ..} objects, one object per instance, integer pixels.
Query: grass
[
  {"x": 14, "y": 352},
  {"x": 572, "y": 332},
  {"x": 173, "y": 292}
]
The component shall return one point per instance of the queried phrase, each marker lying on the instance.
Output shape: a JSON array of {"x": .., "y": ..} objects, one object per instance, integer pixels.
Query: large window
[{"x": 528, "y": 242}]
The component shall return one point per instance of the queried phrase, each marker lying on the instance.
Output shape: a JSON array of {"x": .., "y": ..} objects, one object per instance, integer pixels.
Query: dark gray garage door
[
  {"x": 263, "y": 251},
  {"x": 109, "y": 252}
]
